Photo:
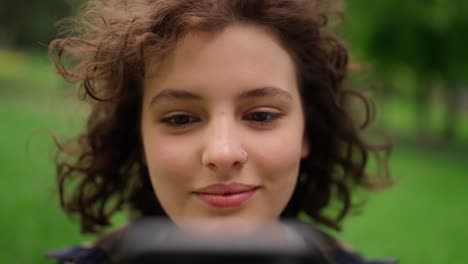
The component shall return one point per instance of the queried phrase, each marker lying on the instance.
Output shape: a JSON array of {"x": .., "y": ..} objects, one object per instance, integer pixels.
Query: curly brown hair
[{"x": 104, "y": 49}]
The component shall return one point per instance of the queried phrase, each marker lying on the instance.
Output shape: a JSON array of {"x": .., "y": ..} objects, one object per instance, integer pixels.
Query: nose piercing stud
[{"x": 246, "y": 156}]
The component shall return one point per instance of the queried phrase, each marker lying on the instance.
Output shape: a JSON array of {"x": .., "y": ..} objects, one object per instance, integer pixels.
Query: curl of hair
[{"x": 104, "y": 49}]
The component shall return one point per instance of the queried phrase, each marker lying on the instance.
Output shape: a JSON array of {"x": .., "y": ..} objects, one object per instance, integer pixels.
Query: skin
[{"x": 216, "y": 96}]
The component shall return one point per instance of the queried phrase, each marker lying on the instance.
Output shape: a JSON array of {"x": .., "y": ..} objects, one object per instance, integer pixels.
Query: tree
[
  {"x": 428, "y": 38},
  {"x": 28, "y": 24}
]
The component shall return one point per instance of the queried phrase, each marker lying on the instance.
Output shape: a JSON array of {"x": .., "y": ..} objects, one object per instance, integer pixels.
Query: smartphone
[{"x": 159, "y": 241}]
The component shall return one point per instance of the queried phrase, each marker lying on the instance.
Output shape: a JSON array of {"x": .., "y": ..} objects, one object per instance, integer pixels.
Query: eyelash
[
  {"x": 176, "y": 122},
  {"x": 270, "y": 117},
  {"x": 173, "y": 122}
]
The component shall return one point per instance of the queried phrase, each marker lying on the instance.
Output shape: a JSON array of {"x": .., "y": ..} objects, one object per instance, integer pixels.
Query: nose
[{"x": 222, "y": 147}]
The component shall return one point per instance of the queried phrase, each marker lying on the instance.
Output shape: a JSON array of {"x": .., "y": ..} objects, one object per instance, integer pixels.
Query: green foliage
[
  {"x": 29, "y": 24},
  {"x": 429, "y": 37}
]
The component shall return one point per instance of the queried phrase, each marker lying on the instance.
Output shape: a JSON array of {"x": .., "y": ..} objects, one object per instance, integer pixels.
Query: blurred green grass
[{"x": 420, "y": 220}]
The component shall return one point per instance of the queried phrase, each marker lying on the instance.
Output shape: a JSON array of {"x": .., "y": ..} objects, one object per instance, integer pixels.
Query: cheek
[
  {"x": 279, "y": 159},
  {"x": 277, "y": 164},
  {"x": 282, "y": 150},
  {"x": 168, "y": 160}
]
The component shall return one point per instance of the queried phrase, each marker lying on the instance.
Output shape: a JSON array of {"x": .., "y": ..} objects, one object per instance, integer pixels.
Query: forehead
[{"x": 238, "y": 55}]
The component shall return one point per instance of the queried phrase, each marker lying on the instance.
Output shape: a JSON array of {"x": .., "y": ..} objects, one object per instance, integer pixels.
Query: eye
[
  {"x": 179, "y": 120},
  {"x": 262, "y": 117}
]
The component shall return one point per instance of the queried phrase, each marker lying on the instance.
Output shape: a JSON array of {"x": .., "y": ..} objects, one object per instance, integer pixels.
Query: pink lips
[{"x": 226, "y": 195}]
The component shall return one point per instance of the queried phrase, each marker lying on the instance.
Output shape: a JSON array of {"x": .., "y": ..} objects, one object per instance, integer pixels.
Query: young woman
[{"x": 225, "y": 110}]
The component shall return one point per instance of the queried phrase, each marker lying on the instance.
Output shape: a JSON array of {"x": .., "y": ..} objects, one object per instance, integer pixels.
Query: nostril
[
  {"x": 212, "y": 166},
  {"x": 224, "y": 158}
]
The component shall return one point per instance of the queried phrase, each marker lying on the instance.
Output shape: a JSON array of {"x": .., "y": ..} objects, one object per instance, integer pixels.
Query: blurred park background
[{"x": 412, "y": 58}]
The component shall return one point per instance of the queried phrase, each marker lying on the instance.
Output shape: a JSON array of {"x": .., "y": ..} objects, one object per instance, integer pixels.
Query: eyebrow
[
  {"x": 268, "y": 91},
  {"x": 174, "y": 94}
]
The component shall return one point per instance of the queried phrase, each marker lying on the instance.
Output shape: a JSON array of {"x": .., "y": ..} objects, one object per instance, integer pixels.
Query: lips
[{"x": 226, "y": 195}]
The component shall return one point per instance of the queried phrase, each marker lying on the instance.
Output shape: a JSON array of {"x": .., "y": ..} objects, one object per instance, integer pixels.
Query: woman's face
[{"x": 223, "y": 127}]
